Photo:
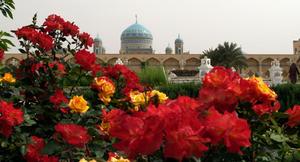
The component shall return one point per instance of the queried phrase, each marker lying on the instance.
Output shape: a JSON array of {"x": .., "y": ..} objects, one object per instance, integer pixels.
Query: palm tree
[{"x": 228, "y": 55}]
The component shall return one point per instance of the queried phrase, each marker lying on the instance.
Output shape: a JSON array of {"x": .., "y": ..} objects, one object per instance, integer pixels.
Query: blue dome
[{"x": 136, "y": 31}]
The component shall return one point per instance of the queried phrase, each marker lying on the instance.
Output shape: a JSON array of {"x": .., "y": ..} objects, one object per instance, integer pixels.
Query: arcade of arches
[{"x": 257, "y": 63}]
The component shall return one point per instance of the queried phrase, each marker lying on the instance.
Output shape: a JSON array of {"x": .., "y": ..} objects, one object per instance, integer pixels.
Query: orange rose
[
  {"x": 8, "y": 78},
  {"x": 105, "y": 87},
  {"x": 262, "y": 88}
]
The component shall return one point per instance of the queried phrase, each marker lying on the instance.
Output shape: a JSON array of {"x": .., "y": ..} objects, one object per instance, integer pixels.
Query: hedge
[
  {"x": 180, "y": 89},
  {"x": 288, "y": 94}
]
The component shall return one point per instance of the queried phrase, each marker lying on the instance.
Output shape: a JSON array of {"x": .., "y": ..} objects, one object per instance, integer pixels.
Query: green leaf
[
  {"x": 278, "y": 137},
  {"x": 23, "y": 150},
  {"x": 3, "y": 12},
  {"x": 8, "y": 11},
  {"x": 22, "y": 51},
  {"x": 296, "y": 155},
  {"x": 51, "y": 148},
  {"x": 280, "y": 115}
]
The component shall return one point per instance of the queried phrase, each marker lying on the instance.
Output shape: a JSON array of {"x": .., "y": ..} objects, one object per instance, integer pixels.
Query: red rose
[
  {"x": 44, "y": 41},
  {"x": 134, "y": 132},
  {"x": 95, "y": 69},
  {"x": 220, "y": 77},
  {"x": 85, "y": 59},
  {"x": 265, "y": 108},
  {"x": 37, "y": 66},
  {"x": 1, "y": 54},
  {"x": 5, "y": 129},
  {"x": 9, "y": 117},
  {"x": 227, "y": 128},
  {"x": 53, "y": 22},
  {"x": 59, "y": 66},
  {"x": 223, "y": 82},
  {"x": 41, "y": 39},
  {"x": 58, "y": 98},
  {"x": 187, "y": 102},
  {"x": 34, "y": 149},
  {"x": 86, "y": 39},
  {"x": 70, "y": 29},
  {"x": 73, "y": 134},
  {"x": 221, "y": 98},
  {"x": 26, "y": 33},
  {"x": 184, "y": 132},
  {"x": 294, "y": 116}
]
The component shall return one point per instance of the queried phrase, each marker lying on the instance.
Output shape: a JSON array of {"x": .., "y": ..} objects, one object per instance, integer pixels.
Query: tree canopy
[{"x": 228, "y": 55}]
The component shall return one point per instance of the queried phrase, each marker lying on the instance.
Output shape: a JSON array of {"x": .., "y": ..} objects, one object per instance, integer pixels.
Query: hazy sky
[{"x": 259, "y": 26}]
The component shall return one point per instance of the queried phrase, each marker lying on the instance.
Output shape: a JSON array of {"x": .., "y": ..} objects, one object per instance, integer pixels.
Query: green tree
[
  {"x": 228, "y": 55},
  {"x": 6, "y": 7}
]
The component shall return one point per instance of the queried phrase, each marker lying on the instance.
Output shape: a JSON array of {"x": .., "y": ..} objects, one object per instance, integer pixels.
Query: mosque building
[{"x": 137, "y": 50}]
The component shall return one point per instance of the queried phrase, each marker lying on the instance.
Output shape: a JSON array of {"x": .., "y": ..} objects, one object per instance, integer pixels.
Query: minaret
[
  {"x": 98, "y": 49},
  {"x": 178, "y": 45}
]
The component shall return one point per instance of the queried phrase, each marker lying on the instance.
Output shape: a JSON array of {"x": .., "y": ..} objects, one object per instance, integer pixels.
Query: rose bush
[{"x": 45, "y": 115}]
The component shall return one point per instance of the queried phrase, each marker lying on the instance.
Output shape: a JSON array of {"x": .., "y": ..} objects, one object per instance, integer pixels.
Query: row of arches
[
  {"x": 170, "y": 63},
  {"x": 262, "y": 68},
  {"x": 136, "y": 64}
]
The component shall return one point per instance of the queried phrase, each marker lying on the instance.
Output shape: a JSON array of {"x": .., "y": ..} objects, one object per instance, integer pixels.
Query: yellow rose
[
  {"x": 8, "y": 78},
  {"x": 114, "y": 157},
  {"x": 263, "y": 88},
  {"x": 83, "y": 160},
  {"x": 162, "y": 97},
  {"x": 138, "y": 99},
  {"x": 78, "y": 104},
  {"x": 121, "y": 159},
  {"x": 105, "y": 99},
  {"x": 104, "y": 127},
  {"x": 104, "y": 85}
]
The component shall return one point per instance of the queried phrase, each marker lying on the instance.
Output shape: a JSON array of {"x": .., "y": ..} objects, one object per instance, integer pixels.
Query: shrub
[
  {"x": 152, "y": 76},
  {"x": 174, "y": 90},
  {"x": 288, "y": 95}
]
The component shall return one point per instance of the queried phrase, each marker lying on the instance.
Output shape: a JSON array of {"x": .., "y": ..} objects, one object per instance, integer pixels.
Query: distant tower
[
  {"x": 178, "y": 45},
  {"x": 98, "y": 48},
  {"x": 169, "y": 50}
]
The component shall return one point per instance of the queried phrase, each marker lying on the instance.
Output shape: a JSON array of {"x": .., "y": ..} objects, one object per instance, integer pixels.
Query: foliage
[
  {"x": 6, "y": 7},
  {"x": 174, "y": 90},
  {"x": 228, "y": 55},
  {"x": 152, "y": 76},
  {"x": 288, "y": 95},
  {"x": 4, "y": 42}
]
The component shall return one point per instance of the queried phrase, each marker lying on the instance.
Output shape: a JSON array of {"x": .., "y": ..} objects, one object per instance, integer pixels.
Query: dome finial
[{"x": 136, "y": 18}]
